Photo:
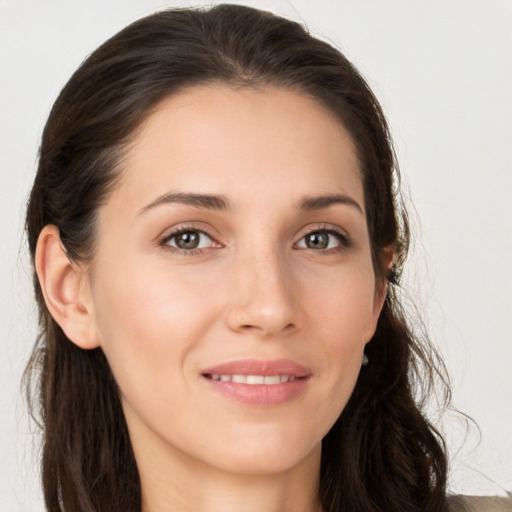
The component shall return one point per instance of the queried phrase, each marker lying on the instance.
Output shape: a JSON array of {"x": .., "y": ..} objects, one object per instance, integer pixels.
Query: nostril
[{"x": 268, "y": 331}]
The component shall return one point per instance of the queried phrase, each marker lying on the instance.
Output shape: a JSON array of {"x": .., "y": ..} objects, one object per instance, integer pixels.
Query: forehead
[{"x": 220, "y": 139}]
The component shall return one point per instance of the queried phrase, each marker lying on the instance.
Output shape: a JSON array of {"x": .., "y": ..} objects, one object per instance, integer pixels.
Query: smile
[
  {"x": 252, "y": 379},
  {"x": 258, "y": 382}
]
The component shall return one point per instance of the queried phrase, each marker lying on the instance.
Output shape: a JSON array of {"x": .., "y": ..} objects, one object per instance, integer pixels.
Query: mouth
[
  {"x": 252, "y": 380},
  {"x": 260, "y": 383}
]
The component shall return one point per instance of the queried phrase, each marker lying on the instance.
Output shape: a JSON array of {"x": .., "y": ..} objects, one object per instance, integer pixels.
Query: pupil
[
  {"x": 318, "y": 241},
  {"x": 188, "y": 240}
]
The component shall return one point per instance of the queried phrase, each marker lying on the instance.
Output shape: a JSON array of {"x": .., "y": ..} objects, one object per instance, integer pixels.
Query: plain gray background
[{"x": 443, "y": 72}]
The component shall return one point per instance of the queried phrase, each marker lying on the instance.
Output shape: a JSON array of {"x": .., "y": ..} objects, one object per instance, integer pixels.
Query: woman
[{"x": 217, "y": 235}]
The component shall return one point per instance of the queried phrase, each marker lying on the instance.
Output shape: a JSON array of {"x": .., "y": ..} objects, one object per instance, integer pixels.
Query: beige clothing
[{"x": 479, "y": 504}]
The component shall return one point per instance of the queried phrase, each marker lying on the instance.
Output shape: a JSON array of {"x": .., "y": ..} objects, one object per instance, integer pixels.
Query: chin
[
  {"x": 264, "y": 451},
  {"x": 267, "y": 462}
]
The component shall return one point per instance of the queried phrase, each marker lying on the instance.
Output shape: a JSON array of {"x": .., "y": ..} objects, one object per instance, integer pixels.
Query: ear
[
  {"x": 381, "y": 290},
  {"x": 66, "y": 289}
]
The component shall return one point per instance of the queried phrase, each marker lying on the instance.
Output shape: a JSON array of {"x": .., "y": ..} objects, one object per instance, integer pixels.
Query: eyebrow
[
  {"x": 222, "y": 203},
  {"x": 207, "y": 201},
  {"x": 321, "y": 202}
]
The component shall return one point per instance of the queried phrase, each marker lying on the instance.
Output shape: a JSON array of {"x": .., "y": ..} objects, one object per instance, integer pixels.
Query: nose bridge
[{"x": 263, "y": 300}]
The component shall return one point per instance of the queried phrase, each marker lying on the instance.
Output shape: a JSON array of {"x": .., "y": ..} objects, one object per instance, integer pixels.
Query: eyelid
[
  {"x": 164, "y": 239},
  {"x": 341, "y": 234}
]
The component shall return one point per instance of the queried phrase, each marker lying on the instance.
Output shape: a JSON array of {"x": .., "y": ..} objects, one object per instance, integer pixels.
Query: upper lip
[{"x": 259, "y": 367}]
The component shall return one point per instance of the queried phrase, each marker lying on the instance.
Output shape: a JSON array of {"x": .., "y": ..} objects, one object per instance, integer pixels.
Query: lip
[
  {"x": 259, "y": 394},
  {"x": 259, "y": 367}
]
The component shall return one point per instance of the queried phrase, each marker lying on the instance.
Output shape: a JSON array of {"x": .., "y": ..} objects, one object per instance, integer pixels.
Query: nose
[{"x": 263, "y": 302}]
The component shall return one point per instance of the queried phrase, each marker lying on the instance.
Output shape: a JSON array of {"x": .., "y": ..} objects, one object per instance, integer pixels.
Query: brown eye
[
  {"x": 323, "y": 240},
  {"x": 189, "y": 240},
  {"x": 317, "y": 240}
]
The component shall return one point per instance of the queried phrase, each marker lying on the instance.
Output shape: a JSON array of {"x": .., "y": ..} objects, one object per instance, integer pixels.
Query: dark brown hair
[{"x": 382, "y": 454}]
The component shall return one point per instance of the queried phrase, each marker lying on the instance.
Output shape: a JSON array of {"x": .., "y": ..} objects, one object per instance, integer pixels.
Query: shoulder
[{"x": 479, "y": 504}]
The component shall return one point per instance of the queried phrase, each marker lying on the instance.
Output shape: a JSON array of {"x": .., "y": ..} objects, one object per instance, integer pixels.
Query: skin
[{"x": 255, "y": 288}]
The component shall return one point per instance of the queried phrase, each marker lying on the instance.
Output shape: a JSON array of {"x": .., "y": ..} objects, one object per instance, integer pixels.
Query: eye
[
  {"x": 323, "y": 240},
  {"x": 188, "y": 240}
]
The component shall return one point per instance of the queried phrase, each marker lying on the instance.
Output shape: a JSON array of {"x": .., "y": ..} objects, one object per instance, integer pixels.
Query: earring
[{"x": 366, "y": 360}]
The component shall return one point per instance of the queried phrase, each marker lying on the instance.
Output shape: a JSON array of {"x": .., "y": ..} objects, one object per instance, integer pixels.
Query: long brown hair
[{"x": 382, "y": 454}]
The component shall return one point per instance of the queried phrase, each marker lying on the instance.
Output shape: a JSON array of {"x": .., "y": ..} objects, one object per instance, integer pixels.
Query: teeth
[
  {"x": 257, "y": 379},
  {"x": 253, "y": 379}
]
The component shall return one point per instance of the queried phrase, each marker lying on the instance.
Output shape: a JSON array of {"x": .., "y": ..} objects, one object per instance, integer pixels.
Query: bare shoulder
[{"x": 479, "y": 504}]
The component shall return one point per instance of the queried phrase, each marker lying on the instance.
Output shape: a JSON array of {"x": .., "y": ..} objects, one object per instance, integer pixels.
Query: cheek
[
  {"x": 148, "y": 324},
  {"x": 341, "y": 318},
  {"x": 342, "y": 305}
]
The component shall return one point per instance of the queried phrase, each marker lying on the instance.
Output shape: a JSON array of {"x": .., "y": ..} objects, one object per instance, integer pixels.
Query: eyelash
[
  {"x": 164, "y": 243},
  {"x": 343, "y": 238}
]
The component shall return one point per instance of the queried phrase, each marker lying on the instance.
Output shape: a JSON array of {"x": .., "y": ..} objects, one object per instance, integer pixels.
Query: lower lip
[{"x": 260, "y": 394}]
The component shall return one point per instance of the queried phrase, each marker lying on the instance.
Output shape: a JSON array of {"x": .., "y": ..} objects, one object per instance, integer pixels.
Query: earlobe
[{"x": 65, "y": 289}]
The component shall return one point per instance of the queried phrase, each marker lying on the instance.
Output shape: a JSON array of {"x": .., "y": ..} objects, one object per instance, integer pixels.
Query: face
[{"x": 232, "y": 287}]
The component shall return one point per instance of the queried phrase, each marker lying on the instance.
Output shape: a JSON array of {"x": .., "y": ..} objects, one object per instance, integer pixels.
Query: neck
[{"x": 197, "y": 489}]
